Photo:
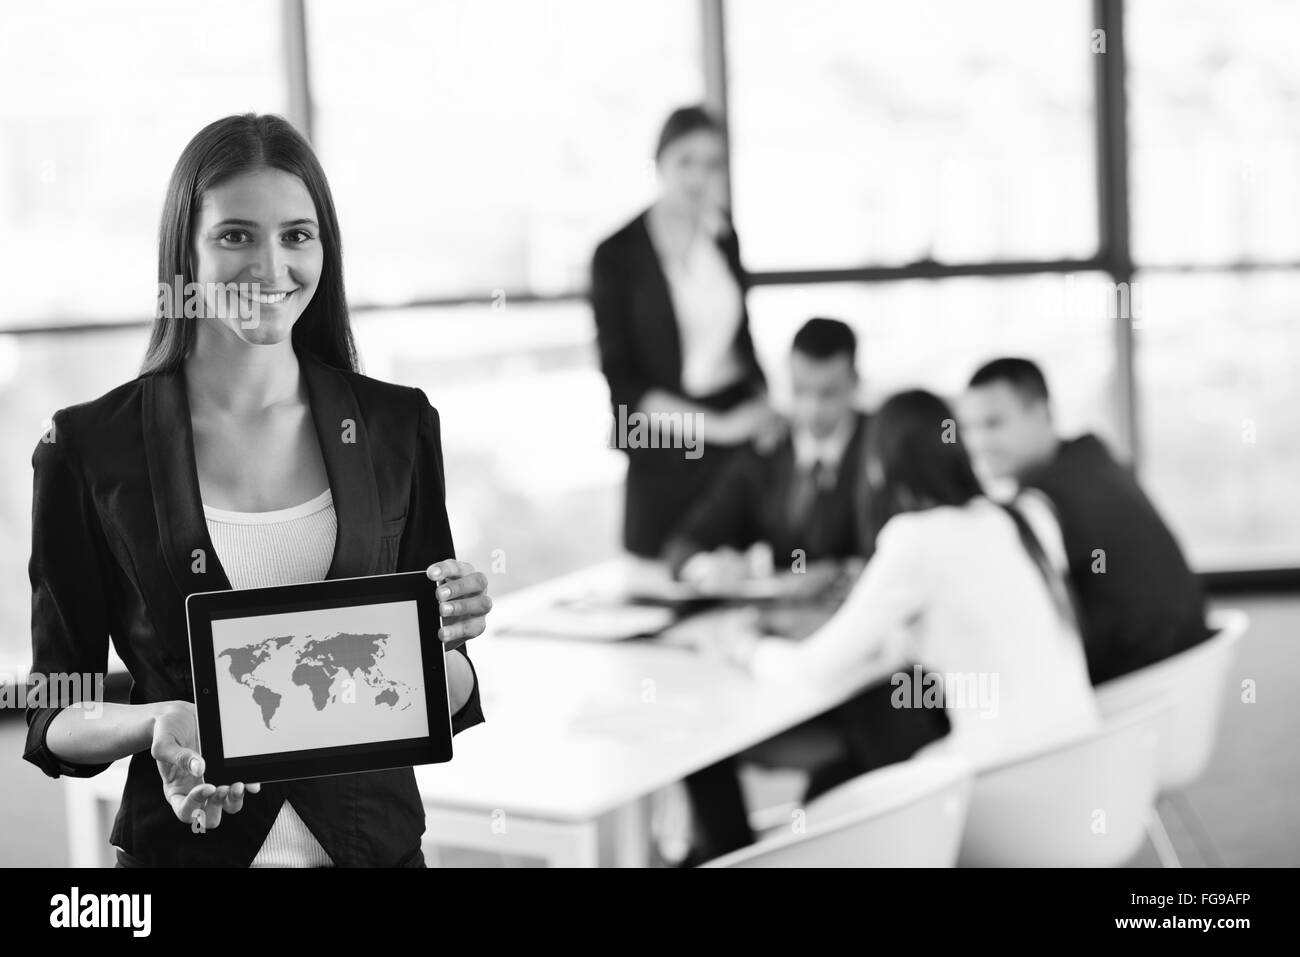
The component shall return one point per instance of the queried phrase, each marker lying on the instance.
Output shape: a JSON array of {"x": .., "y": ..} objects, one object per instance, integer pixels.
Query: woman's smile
[{"x": 273, "y": 297}]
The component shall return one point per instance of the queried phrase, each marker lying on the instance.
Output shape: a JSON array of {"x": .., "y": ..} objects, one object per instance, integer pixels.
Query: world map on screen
[{"x": 345, "y": 667}]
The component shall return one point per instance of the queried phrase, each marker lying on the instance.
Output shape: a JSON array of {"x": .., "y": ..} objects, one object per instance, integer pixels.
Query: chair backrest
[
  {"x": 1081, "y": 804},
  {"x": 905, "y": 815},
  {"x": 1194, "y": 683}
]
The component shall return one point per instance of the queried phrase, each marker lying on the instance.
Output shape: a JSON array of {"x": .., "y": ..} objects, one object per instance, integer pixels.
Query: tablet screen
[{"x": 321, "y": 678}]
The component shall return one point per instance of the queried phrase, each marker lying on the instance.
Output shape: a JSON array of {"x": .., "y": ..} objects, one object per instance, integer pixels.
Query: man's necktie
[{"x": 807, "y": 484}]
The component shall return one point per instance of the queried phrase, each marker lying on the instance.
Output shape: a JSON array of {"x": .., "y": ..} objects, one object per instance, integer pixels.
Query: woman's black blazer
[
  {"x": 119, "y": 540},
  {"x": 636, "y": 326}
]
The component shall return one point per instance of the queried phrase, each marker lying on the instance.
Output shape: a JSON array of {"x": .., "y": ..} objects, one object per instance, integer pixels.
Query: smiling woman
[
  {"x": 249, "y": 203},
  {"x": 250, "y": 429}
]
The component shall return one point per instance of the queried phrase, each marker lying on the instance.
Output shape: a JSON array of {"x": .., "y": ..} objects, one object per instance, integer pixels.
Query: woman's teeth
[{"x": 271, "y": 298}]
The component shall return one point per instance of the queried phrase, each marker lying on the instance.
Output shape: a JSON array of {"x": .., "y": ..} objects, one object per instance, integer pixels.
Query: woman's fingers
[
  {"x": 462, "y": 601},
  {"x": 457, "y": 633},
  {"x": 184, "y": 760},
  {"x": 475, "y": 583},
  {"x": 186, "y": 804},
  {"x": 207, "y": 802},
  {"x": 235, "y": 799},
  {"x": 475, "y": 606},
  {"x": 448, "y": 568}
]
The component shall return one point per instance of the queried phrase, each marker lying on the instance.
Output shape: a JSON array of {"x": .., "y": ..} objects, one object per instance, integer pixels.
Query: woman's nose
[{"x": 270, "y": 264}]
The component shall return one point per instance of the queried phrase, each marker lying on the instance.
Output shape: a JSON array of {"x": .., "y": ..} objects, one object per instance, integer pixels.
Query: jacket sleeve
[
  {"x": 69, "y": 578},
  {"x": 427, "y": 535},
  {"x": 618, "y": 359},
  {"x": 728, "y": 514}
]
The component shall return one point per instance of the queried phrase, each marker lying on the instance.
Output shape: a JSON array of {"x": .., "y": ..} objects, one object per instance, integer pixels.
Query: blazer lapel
[
  {"x": 345, "y": 445},
  {"x": 178, "y": 502},
  {"x": 668, "y": 333},
  {"x": 174, "y": 479}
]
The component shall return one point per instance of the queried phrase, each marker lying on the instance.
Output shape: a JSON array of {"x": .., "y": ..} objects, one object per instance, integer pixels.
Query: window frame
[{"x": 1113, "y": 257}]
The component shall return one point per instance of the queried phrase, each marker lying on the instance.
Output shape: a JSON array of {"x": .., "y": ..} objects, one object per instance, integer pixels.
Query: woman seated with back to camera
[{"x": 958, "y": 584}]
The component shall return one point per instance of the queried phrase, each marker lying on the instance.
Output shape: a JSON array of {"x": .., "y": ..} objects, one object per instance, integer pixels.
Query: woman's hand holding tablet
[
  {"x": 175, "y": 748},
  {"x": 464, "y": 601}
]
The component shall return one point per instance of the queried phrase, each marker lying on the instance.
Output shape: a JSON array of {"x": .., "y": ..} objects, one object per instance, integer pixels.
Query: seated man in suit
[
  {"x": 808, "y": 499},
  {"x": 1138, "y": 600},
  {"x": 804, "y": 497}
]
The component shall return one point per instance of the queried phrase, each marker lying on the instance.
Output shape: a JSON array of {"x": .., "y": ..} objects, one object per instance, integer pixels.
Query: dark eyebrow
[{"x": 249, "y": 224}]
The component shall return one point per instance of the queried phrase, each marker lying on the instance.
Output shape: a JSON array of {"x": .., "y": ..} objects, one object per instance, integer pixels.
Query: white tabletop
[{"x": 575, "y": 728}]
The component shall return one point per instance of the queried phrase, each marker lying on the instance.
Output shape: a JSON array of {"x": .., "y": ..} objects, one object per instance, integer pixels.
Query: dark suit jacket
[
  {"x": 1144, "y": 604},
  {"x": 636, "y": 328},
  {"x": 640, "y": 349},
  {"x": 116, "y": 521},
  {"x": 750, "y": 503}
]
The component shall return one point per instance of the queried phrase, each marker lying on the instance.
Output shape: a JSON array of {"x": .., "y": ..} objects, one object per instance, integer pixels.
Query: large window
[
  {"x": 1215, "y": 131},
  {"x": 934, "y": 334},
  {"x": 39, "y": 373},
  {"x": 96, "y": 103},
  {"x": 483, "y": 145},
  {"x": 533, "y": 490},
  {"x": 1215, "y": 138},
  {"x": 1218, "y": 397},
  {"x": 885, "y": 133}
]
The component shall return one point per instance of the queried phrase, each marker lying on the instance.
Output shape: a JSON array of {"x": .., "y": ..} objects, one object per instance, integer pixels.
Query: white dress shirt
[
  {"x": 809, "y": 450},
  {"x": 954, "y": 589},
  {"x": 708, "y": 304}
]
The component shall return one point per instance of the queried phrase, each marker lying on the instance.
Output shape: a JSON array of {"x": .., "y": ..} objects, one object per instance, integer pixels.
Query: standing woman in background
[{"x": 668, "y": 293}]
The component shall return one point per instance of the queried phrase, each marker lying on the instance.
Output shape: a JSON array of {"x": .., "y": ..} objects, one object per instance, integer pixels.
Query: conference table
[{"x": 580, "y": 732}]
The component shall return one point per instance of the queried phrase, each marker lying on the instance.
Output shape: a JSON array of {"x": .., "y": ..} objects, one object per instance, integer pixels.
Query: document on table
[{"x": 594, "y": 620}]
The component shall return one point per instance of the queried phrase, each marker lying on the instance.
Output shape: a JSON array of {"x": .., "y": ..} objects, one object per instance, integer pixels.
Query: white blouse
[
  {"x": 708, "y": 304},
  {"x": 287, "y": 546},
  {"x": 954, "y": 589}
]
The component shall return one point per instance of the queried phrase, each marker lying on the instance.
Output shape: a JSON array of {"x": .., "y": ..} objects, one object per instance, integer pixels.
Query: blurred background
[{"x": 957, "y": 180}]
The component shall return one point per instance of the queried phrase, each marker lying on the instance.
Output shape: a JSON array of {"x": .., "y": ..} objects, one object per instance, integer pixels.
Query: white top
[
  {"x": 954, "y": 589},
  {"x": 708, "y": 304},
  {"x": 287, "y": 546}
]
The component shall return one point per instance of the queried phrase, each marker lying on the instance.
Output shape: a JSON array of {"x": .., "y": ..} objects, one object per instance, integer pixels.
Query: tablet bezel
[{"x": 202, "y": 608}]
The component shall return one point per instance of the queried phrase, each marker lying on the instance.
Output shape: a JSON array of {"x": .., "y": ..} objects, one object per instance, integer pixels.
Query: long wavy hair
[{"x": 226, "y": 148}]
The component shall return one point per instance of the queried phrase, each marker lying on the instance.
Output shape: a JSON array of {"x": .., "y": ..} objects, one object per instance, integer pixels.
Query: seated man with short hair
[
  {"x": 1139, "y": 602},
  {"x": 808, "y": 499},
  {"x": 805, "y": 496}
]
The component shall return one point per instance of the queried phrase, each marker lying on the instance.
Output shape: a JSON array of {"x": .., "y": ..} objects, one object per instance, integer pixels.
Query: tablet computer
[{"x": 330, "y": 677}]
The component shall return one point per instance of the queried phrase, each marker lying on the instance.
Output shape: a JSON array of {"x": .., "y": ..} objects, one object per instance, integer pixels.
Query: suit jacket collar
[
  {"x": 178, "y": 504},
  {"x": 830, "y": 451},
  {"x": 669, "y": 334}
]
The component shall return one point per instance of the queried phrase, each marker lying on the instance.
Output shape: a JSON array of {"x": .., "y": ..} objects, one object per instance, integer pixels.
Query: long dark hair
[
  {"x": 226, "y": 148},
  {"x": 917, "y": 456}
]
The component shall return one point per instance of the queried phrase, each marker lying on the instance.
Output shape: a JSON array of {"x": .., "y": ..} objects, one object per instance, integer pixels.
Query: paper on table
[{"x": 595, "y": 621}]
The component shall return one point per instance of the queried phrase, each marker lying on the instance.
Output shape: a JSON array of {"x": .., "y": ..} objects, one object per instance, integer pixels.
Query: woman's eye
[
  {"x": 298, "y": 236},
  {"x": 235, "y": 237}
]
